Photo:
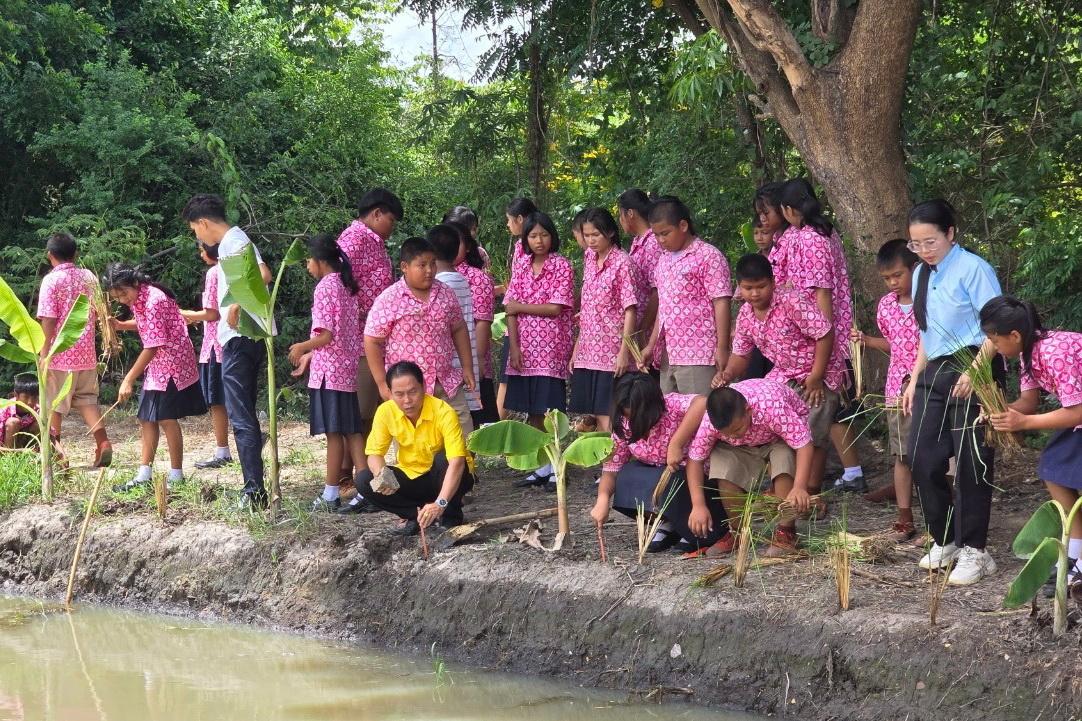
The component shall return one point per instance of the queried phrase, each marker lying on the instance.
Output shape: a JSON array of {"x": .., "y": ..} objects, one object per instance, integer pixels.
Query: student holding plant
[
  {"x": 17, "y": 425},
  {"x": 1051, "y": 361}
]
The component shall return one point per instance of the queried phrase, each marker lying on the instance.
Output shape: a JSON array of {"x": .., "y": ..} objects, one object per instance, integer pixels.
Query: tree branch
[
  {"x": 770, "y": 33},
  {"x": 685, "y": 10}
]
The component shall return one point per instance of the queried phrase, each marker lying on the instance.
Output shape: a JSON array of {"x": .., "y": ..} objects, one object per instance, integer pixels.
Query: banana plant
[
  {"x": 525, "y": 448},
  {"x": 1043, "y": 540},
  {"x": 27, "y": 346},
  {"x": 247, "y": 289}
]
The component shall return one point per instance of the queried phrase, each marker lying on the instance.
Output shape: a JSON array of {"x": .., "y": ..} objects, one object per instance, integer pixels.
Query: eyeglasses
[{"x": 916, "y": 246}]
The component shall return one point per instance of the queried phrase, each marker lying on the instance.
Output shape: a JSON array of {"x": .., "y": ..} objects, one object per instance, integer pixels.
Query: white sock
[
  {"x": 545, "y": 470},
  {"x": 175, "y": 474},
  {"x": 330, "y": 493},
  {"x": 356, "y": 499},
  {"x": 663, "y": 530},
  {"x": 145, "y": 473},
  {"x": 852, "y": 472},
  {"x": 1074, "y": 550},
  {"x": 222, "y": 453}
]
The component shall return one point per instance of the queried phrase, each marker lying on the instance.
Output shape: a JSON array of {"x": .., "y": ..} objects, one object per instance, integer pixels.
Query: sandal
[{"x": 902, "y": 531}]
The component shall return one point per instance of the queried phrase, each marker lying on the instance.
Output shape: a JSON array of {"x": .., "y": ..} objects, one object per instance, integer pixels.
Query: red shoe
[
  {"x": 722, "y": 547},
  {"x": 782, "y": 544},
  {"x": 103, "y": 455}
]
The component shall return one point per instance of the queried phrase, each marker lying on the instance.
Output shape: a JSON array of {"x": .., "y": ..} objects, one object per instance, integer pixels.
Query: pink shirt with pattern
[
  {"x": 370, "y": 263},
  {"x": 545, "y": 342},
  {"x": 334, "y": 366},
  {"x": 899, "y": 327},
  {"x": 688, "y": 282},
  {"x": 645, "y": 252},
  {"x": 482, "y": 290},
  {"x": 60, "y": 288},
  {"x": 419, "y": 331},
  {"x": 211, "y": 348},
  {"x": 787, "y": 336},
  {"x": 1057, "y": 367},
  {"x": 17, "y": 412},
  {"x": 815, "y": 261},
  {"x": 653, "y": 449},
  {"x": 607, "y": 292},
  {"x": 161, "y": 326},
  {"x": 777, "y": 413}
]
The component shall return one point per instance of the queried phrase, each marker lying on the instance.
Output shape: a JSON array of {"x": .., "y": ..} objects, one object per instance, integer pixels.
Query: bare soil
[{"x": 779, "y": 645}]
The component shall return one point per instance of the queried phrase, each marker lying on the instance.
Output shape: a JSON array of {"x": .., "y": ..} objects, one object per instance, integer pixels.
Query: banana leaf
[
  {"x": 247, "y": 289},
  {"x": 1044, "y": 523},
  {"x": 1030, "y": 579},
  {"x": 24, "y": 329},
  {"x": 72, "y": 329},
  {"x": 588, "y": 451},
  {"x": 559, "y": 418},
  {"x": 508, "y": 438},
  {"x": 15, "y": 354}
]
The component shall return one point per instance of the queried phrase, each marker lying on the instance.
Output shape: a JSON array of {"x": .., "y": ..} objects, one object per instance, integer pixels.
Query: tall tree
[{"x": 844, "y": 116}]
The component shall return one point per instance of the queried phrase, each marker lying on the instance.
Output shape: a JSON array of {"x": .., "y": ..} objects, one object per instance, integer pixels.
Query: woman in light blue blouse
[{"x": 951, "y": 286}]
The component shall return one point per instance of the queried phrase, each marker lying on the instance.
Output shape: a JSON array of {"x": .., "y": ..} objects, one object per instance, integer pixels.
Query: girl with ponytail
[
  {"x": 1051, "y": 361},
  {"x": 331, "y": 356},
  {"x": 167, "y": 365}
]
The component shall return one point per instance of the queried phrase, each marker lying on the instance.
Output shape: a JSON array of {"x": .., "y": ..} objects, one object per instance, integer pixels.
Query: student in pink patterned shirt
[
  {"x": 330, "y": 356},
  {"x": 17, "y": 425},
  {"x": 167, "y": 365},
  {"x": 59, "y": 290},
  {"x": 901, "y": 339},
  {"x": 1050, "y": 361},
  {"x": 210, "y": 359},
  {"x": 482, "y": 291},
  {"x": 517, "y": 211},
  {"x": 691, "y": 333},
  {"x": 418, "y": 319},
  {"x": 608, "y": 313},
  {"x": 747, "y": 425},
  {"x": 645, "y": 252},
  {"x": 539, "y": 303}
]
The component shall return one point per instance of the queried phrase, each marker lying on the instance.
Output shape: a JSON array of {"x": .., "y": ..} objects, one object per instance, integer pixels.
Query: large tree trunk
[
  {"x": 844, "y": 118},
  {"x": 536, "y": 113}
]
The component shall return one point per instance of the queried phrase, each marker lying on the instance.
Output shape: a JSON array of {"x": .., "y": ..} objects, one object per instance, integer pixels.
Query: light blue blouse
[{"x": 957, "y": 290}]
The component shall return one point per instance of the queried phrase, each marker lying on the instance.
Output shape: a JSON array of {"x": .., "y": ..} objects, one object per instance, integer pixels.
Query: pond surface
[{"x": 106, "y": 665}]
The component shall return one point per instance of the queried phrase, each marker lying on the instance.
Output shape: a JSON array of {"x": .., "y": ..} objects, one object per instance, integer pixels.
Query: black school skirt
[
  {"x": 535, "y": 395},
  {"x": 591, "y": 391},
  {"x": 1061, "y": 459},
  {"x": 331, "y": 411},
  {"x": 171, "y": 404}
]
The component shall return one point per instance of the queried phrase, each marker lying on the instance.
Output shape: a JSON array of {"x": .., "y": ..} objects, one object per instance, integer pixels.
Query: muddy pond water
[{"x": 106, "y": 665}]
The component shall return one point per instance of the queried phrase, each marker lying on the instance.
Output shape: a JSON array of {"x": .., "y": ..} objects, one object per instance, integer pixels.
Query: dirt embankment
[{"x": 778, "y": 646}]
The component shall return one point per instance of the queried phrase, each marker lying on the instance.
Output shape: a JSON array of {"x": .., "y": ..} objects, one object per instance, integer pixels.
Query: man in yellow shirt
[{"x": 433, "y": 471}]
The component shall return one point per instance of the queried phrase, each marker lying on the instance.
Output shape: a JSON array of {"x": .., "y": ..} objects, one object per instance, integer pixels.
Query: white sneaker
[
  {"x": 939, "y": 556},
  {"x": 973, "y": 565}
]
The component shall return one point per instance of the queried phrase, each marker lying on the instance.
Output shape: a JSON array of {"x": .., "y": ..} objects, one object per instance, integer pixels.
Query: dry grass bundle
[
  {"x": 662, "y": 484},
  {"x": 840, "y": 559},
  {"x": 110, "y": 341},
  {"x": 161, "y": 495},
  {"x": 634, "y": 350},
  {"x": 744, "y": 542},
  {"x": 856, "y": 355},
  {"x": 722, "y": 570},
  {"x": 936, "y": 588},
  {"x": 647, "y": 529}
]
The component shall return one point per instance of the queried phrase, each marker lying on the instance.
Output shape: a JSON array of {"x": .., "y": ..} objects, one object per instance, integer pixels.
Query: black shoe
[
  {"x": 130, "y": 485},
  {"x": 1049, "y": 587},
  {"x": 362, "y": 506},
  {"x": 409, "y": 528},
  {"x": 853, "y": 485},
  {"x": 213, "y": 463},
  {"x": 664, "y": 543},
  {"x": 322, "y": 505},
  {"x": 550, "y": 485},
  {"x": 532, "y": 480},
  {"x": 684, "y": 547},
  {"x": 252, "y": 502}
]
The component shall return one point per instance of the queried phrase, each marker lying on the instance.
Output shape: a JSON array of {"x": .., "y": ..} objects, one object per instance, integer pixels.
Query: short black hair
[
  {"x": 724, "y": 405},
  {"x": 895, "y": 251},
  {"x": 26, "y": 383},
  {"x": 521, "y": 206},
  {"x": 605, "y": 224},
  {"x": 204, "y": 206},
  {"x": 446, "y": 241},
  {"x": 752, "y": 267},
  {"x": 580, "y": 219},
  {"x": 405, "y": 368},
  {"x": 210, "y": 250},
  {"x": 670, "y": 209},
  {"x": 542, "y": 219},
  {"x": 414, "y": 248},
  {"x": 62, "y": 247},
  {"x": 757, "y": 221},
  {"x": 462, "y": 214},
  {"x": 635, "y": 199},
  {"x": 382, "y": 199}
]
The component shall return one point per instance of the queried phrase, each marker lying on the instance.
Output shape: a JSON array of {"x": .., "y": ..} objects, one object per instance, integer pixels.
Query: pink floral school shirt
[
  {"x": 815, "y": 261},
  {"x": 161, "y": 326},
  {"x": 654, "y": 448},
  {"x": 60, "y": 288},
  {"x": 787, "y": 337},
  {"x": 211, "y": 348},
  {"x": 688, "y": 282},
  {"x": 545, "y": 342},
  {"x": 777, "y": 413},
  {"x": 645, "y": 252},
  {"x": 367, "y": 254},
  {"x": 607, "y": 292},
  {"x": 334, "y": 366},
  {"x": 898, "y": 325},
  {"x": 1057, "y": 367},
  {"x": 482, "y": 290},
  {"x": 419, "y": 331},
  {"x": 17, "y": 412}
]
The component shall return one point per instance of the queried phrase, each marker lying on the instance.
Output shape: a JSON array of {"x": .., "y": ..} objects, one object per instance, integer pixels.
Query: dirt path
[{"x": 778, "y": 645}]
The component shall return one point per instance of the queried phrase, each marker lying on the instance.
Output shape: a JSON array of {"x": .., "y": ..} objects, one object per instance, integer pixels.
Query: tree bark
[
  {"x": 435, "y": 51},
  {"x": 536, "y": 114},
  {"x": 844, "y": 118}
]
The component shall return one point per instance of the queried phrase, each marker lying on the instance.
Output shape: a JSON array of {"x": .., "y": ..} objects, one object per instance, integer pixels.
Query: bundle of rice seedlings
[
  {"x": 714, "y": 575},
  {"x": 839, "y": 559},
  {"x": 633, "y": 349},
  {"x": 990, "y": 397},
  {"x": 856, "y": 355},
  {"x": 647, "y": 529},
  {"x": 743, "y": 555},
  {"x": 110, "y": 342},
  {"x": 161, "y": 495}
]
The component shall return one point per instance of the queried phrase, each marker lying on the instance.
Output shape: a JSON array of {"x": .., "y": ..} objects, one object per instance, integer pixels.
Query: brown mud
[{"x": 778, "y": 646}]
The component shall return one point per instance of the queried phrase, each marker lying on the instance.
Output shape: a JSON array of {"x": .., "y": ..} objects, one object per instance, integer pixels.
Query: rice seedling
[
  {"x": 601, "y": 542},
  {"x": 724, "y": 569},
  {"x": 161, "y": 496},
  {"x": 110, "y": 341},
  {"x": 647, "y": 527},
  {"x": 840, "y": 558},
  {"x": 856, "y": 356},
  {"x": 989, "y": 396},
  {"x": 633, "y": 349}
]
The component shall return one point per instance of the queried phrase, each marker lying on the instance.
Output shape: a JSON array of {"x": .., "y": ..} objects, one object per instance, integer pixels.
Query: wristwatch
[{"x": 441, "y": 503}]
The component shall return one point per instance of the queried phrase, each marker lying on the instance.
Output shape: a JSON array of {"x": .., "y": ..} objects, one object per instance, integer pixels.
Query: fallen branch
[{"x": 102, "y": 419}]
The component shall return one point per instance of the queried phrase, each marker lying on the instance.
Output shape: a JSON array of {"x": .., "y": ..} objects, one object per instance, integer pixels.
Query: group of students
[{"x": 714, "y": 396}]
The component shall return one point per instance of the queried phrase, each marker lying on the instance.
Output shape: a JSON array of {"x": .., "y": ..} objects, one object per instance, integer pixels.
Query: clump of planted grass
[{"x": 20, "y": 477}]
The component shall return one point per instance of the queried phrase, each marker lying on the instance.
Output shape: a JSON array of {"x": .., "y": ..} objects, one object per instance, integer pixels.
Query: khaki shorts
[
  {"x": 743, "y": 464},
  {"x": 821, "y": 417},
  {"x": 898, "y": 429},
  {"x": 462, "y": 408},
  {"x": 368, "y": 398},
  {"x": 686, "y": 379},
  {"x": 84, "y": 389}
]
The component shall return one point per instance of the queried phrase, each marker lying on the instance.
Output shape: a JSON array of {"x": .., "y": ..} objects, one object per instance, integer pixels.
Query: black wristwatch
[{"x": 441, "y": 503}]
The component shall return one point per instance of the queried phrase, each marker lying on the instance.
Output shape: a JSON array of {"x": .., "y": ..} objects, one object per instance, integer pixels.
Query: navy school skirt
[
  {"x": 1061, "y": 459},
  {"x": 534, "y": 395},
  {"x": 591, "y": 391},
  {"x": 331, "y": 411},
  {"x": 171, "y": 404},
  {"x": 210, "y": 380}
]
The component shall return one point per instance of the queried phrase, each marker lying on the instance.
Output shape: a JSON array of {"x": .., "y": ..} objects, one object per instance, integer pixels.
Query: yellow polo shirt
[{"x": 437, "y": 430}]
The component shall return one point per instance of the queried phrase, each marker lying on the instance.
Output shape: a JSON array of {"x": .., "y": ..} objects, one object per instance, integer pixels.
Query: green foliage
[
  {"x": 508, "y": 438},
  {"x": 20, "y": 478},
  {"x": 1044, "y": 523},
  {"x": 1030, "y": 579},
  {"x": 588, "y": 452}
]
